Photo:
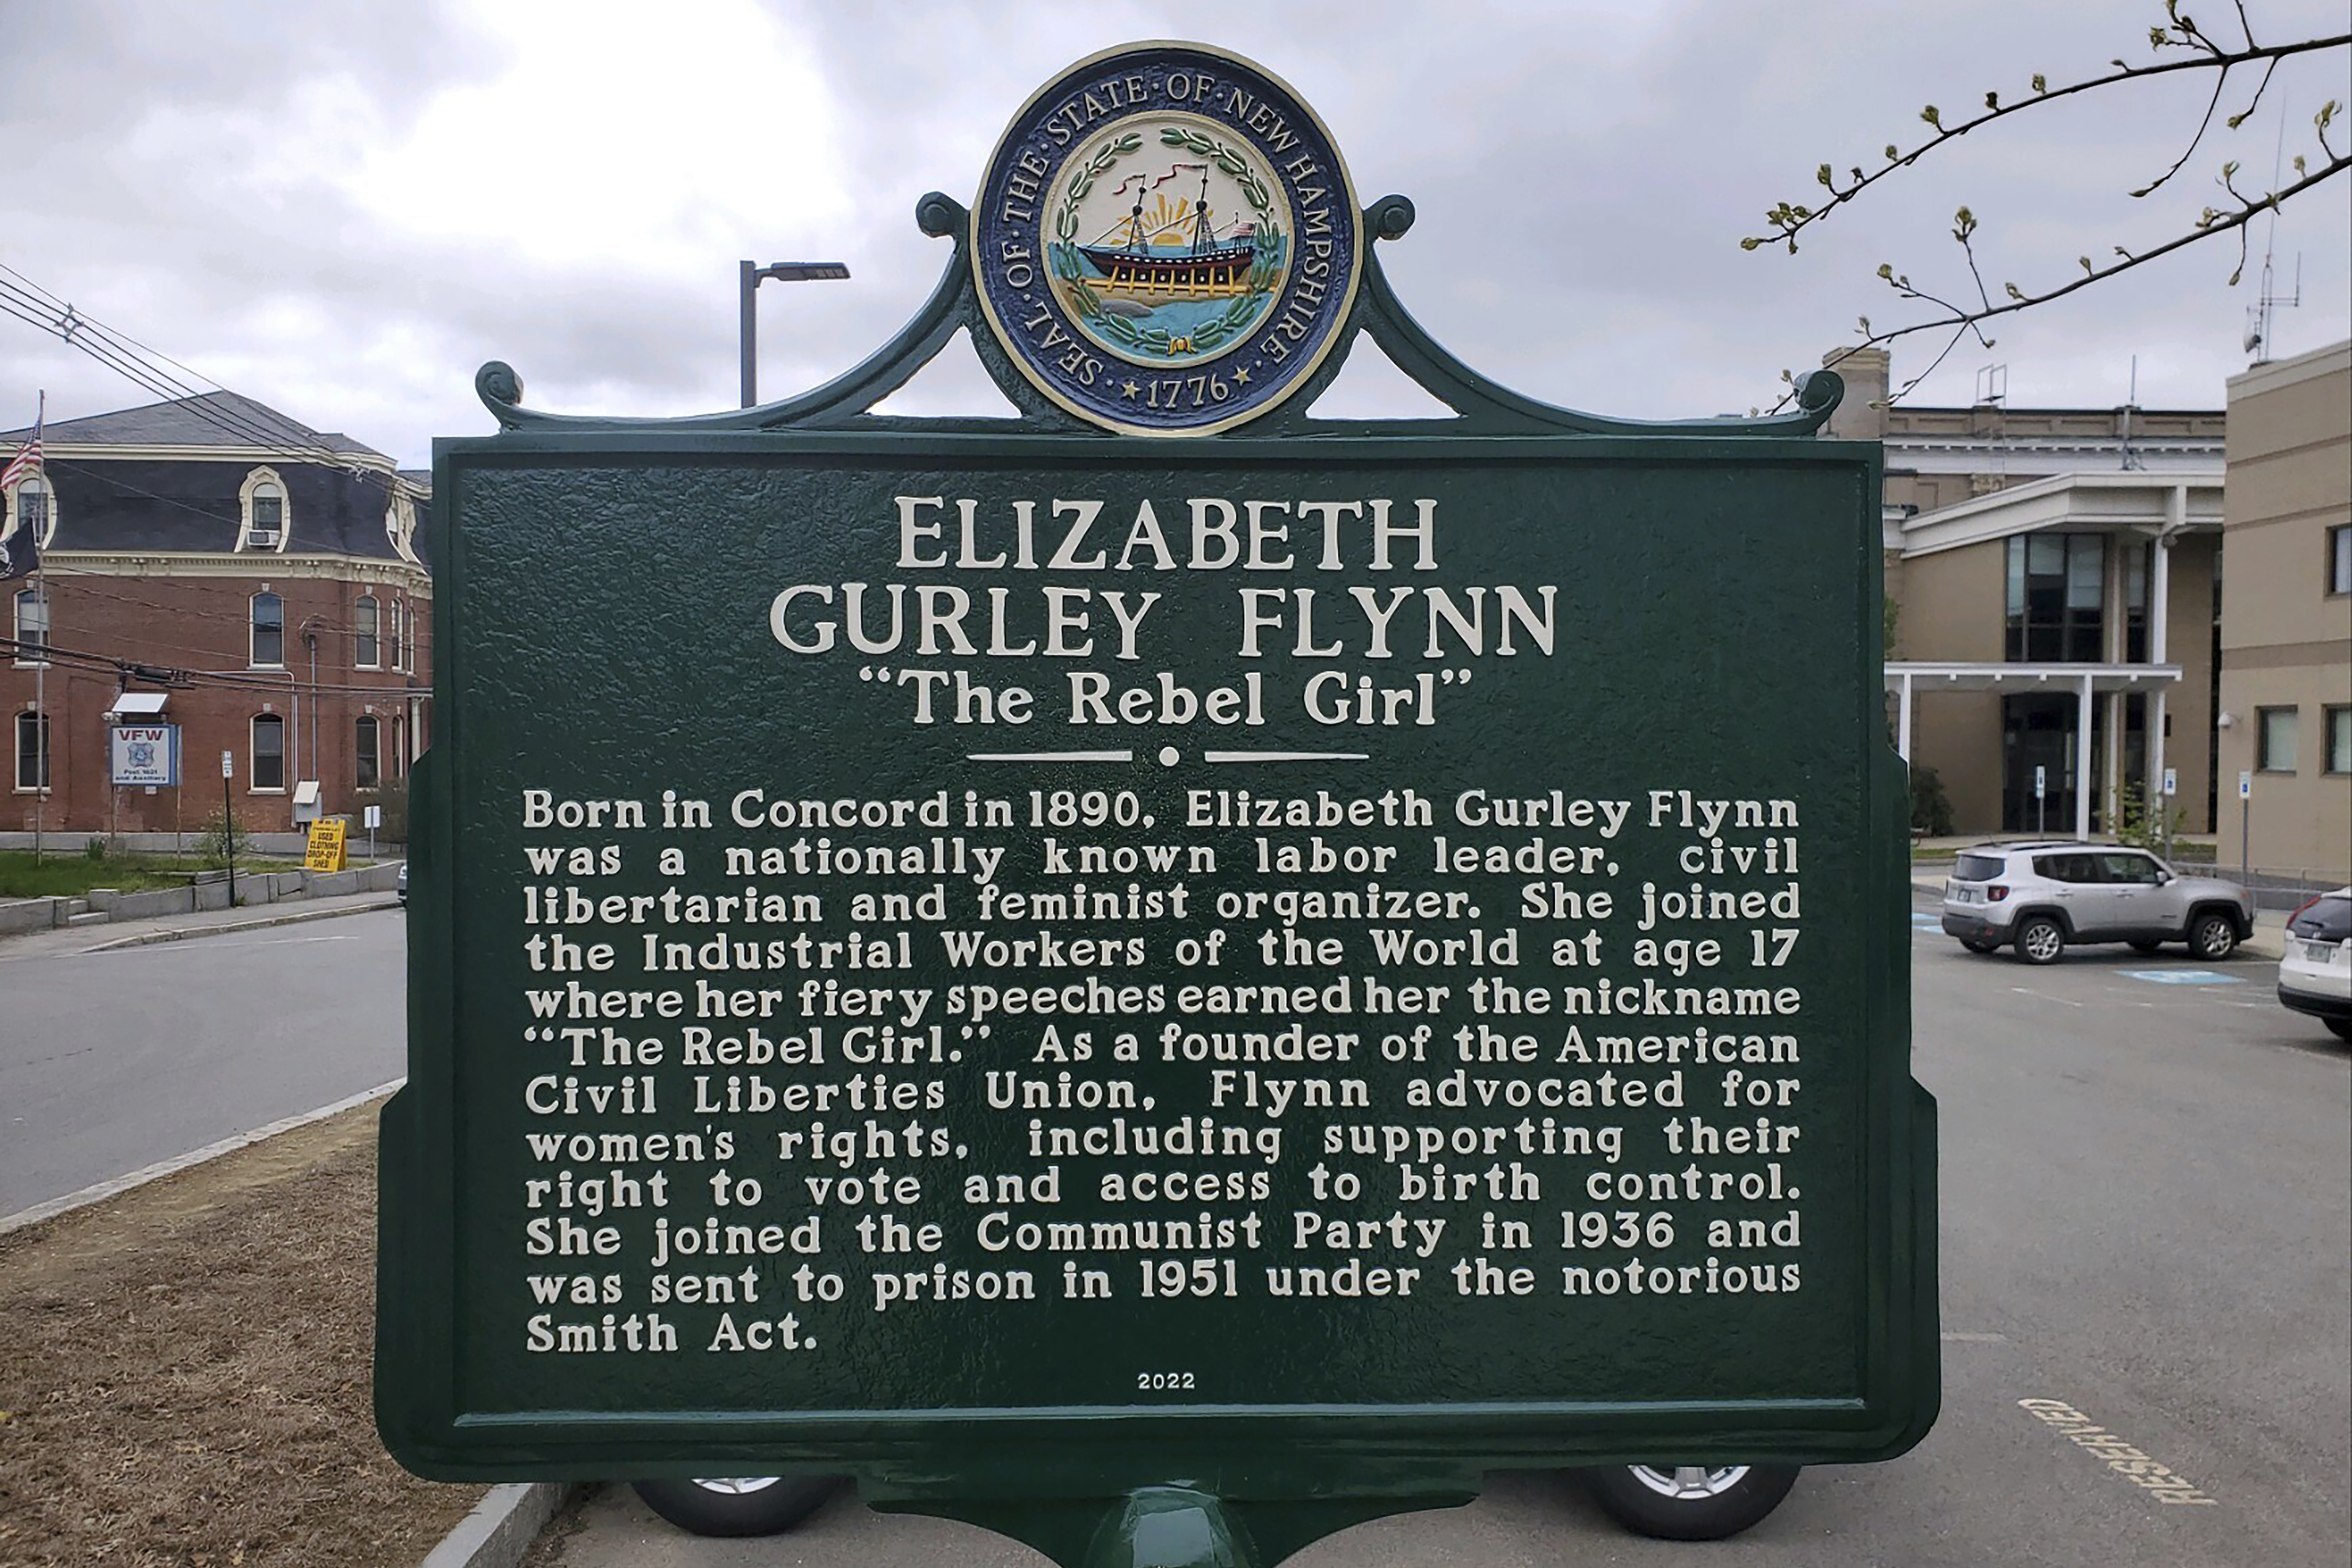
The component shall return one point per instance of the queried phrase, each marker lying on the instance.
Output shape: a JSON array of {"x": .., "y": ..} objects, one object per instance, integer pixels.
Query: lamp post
[{"x": 751, "y": 275}]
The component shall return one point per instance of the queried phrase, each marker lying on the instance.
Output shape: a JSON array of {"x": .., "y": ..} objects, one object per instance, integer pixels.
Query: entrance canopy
[{"x": 1912, "y": 682}]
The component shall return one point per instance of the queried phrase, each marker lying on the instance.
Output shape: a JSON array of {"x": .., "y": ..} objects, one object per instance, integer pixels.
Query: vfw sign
[{"x": 144, "y": 754}]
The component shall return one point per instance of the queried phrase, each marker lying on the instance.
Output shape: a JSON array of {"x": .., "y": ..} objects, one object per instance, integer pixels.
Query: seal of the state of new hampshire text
[{"x": 1166, "y": 241}]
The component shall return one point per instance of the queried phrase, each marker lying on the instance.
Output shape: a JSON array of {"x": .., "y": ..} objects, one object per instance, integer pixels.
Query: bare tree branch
[
  {"x": 1789, "y": 220},
  {"x": 2220, "y": 85},
  {"x": 2181, "y": 34},
  {"x": 1964, "y": 320}
]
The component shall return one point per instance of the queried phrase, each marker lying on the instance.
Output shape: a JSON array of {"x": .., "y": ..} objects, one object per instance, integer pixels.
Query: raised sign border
[{"x": 1059, "y": 1477}]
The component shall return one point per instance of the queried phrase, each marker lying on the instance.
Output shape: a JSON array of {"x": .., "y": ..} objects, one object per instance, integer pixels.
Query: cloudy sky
[{"x": 342, "y": 209}]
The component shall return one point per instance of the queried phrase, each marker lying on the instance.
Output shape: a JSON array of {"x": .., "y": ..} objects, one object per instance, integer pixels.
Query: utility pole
[{"x": 311, "y": 641}]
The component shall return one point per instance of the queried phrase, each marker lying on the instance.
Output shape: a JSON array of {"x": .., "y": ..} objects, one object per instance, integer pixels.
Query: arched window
[
  {"x": 32, "y": 627},
  {"x": 31, "y": 507},
  {"x": 32, "y": 752},
  {"x": 367, "y": 652},
  {"x": 399, "y": 634},
  {"x": 266, "y": 518},
  {"x": 268, "y": 630},
  {"x": 367, "y": 765},
  {"x": 268, "y": 752}
]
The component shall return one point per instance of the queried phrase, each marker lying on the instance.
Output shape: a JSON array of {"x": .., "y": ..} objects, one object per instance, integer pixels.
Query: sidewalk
[{"x": 68, "y": 940}]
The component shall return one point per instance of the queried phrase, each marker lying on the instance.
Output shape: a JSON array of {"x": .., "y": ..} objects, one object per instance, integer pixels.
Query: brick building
[{"x": 213, "y": 565}]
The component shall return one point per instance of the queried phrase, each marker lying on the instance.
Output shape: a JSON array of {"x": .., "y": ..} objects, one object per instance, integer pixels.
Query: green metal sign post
[{"x": 1162, "y": 979}]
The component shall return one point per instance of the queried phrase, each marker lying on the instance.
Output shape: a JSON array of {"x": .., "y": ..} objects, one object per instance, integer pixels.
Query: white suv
[
  {"x": 2037, "y": 898},
  {"x": 2315, "y": 973}
]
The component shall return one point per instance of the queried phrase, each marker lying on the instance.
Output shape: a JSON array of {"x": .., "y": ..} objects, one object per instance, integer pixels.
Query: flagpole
[
  {"x": 41, "y": 670},
  {"x": 41, "y": 710}
]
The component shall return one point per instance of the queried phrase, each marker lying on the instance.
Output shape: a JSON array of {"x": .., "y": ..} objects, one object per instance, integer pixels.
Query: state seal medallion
[{"x": 1166, "y": 241}]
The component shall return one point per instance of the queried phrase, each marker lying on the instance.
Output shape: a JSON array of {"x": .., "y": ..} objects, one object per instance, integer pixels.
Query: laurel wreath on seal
[{"x": 1068, "y": 267}]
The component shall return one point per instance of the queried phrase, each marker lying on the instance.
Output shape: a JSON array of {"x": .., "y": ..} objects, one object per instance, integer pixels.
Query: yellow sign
[{"x": 326, "y": 850}]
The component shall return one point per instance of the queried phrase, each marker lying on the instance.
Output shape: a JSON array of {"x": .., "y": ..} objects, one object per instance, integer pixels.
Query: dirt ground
[{"x": 184, "y": 1374}]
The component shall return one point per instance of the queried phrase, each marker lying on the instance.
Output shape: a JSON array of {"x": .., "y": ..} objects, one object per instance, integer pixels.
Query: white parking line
[{"x": 2041, "y": 997}]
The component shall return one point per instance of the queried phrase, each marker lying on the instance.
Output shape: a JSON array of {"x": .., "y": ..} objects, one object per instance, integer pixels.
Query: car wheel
[
  {"x": 744, "y": 1505},
  {"x": 2212, "y": 938},
  {"x": 2340, "y": 1027},
  {"x": 1978, "y": 944},
  {"x": 1690, "y": 1502},
  {"x": 2145, "y": 946},
  {"x": 2039, "y": 940}
]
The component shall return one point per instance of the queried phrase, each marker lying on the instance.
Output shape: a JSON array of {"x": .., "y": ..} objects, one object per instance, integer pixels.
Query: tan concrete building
[
  {"x": 2286, "y": 619},
  {"x": 2053, "y": 573}
]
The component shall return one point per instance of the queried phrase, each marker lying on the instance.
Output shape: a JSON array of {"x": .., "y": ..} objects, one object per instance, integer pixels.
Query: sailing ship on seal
[{"x": 1200, "y": 266}]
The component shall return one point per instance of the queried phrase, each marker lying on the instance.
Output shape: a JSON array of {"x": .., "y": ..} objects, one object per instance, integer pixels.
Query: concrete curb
[
  {"x": 501, "y": 1527},
  {"x": 184, "y": 933},
  {"x": 99, "y": 1192}
]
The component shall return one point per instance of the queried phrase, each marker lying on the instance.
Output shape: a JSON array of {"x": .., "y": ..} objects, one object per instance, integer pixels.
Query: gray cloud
[{"x": 1584, "y": 175}]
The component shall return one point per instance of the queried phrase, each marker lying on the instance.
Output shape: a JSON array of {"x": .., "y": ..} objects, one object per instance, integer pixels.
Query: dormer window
[
  {"x": 267, "y": 520},
  {"x": 400, "y": 527},
  {"x": 32, "y": 506}
]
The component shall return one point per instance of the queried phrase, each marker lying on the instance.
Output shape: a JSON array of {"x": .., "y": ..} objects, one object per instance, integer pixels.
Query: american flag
[{"x": 27, "y": 463}]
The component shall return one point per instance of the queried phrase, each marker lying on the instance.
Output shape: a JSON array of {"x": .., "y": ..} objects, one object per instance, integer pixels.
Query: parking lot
[{"x": 2146, "y": 1223}]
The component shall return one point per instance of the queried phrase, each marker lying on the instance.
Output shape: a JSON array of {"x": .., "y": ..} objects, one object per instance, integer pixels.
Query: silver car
[{"x": 2038, "y": 898}]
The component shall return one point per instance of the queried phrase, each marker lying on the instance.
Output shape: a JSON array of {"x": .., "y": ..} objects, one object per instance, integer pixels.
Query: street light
[{"x": 752, "y": 275}]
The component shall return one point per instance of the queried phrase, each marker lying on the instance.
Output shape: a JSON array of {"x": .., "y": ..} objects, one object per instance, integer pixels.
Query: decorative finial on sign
[
  {"x": 1388, "y": 217},
  {"x": 940, "y": 216},
  {"x": 1819, "y": 392},
  {"x": 500, "y": 390}
]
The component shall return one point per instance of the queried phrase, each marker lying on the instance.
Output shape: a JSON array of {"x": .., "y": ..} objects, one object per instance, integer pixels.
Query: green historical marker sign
[{"x": 1169, "y": 958}]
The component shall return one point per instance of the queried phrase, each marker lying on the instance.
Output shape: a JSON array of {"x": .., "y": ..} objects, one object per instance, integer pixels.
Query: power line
[
  {"x": 259, "y": 682},
  {"x": 30, "y": 303},
  {"x": 101, "y": 343}
]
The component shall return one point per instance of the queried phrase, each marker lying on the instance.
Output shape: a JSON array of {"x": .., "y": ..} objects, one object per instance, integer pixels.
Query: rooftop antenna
[
  {"x": 2258, "y": 314},
  {"x": 1992, "y": 384}
]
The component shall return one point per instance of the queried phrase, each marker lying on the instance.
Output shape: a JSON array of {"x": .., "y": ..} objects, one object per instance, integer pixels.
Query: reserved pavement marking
[
  {"x": 2118, "y": 1453},
  {"x": 2182, "y": 976}
]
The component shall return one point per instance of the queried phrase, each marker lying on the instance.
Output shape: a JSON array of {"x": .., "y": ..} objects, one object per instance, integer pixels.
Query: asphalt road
[
  {"x": 2147, "y": 1214},
  {"x": 110, "y": 1062}
]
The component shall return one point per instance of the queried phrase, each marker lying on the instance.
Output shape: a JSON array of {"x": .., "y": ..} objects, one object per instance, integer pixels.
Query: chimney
[{"x": 1861, "y": 416}]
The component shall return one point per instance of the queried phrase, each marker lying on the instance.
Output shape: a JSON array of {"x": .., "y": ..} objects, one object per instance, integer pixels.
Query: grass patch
[{"x": 69, "y": 874}]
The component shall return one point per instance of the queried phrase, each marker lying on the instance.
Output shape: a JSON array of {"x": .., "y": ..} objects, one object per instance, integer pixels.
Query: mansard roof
[
  {"x": 171, "y": 477},
  {"x": 213, "y": 419}
]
